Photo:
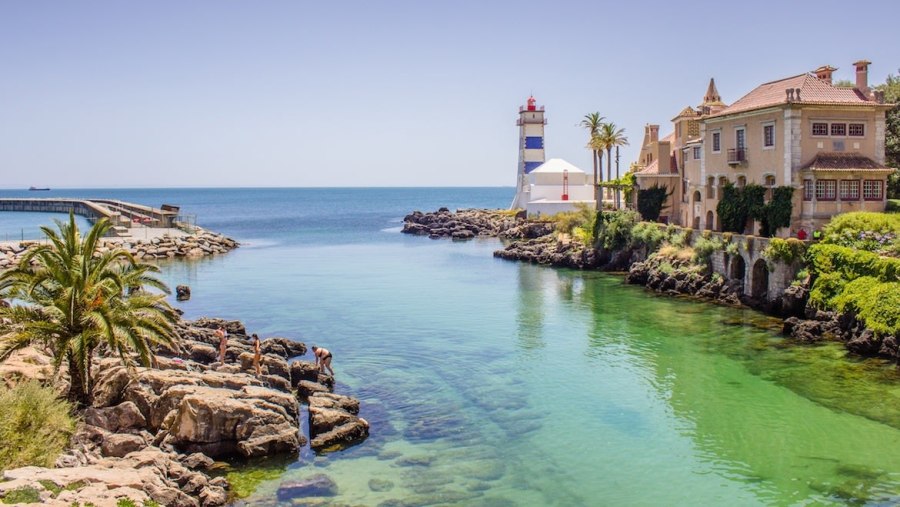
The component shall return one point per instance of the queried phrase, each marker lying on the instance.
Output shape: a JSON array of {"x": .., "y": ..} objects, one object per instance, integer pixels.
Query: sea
[{"x": 498, "y": 383}]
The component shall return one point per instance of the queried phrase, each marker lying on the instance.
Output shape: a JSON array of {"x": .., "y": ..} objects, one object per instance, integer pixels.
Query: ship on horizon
[{"x": 38, "y": 189}]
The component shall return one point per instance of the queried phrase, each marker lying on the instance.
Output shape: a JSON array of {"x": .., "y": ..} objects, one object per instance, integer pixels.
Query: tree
[
  {"x": 75, "y": 299},
  {"x": 610, "y": 137},
  {"x": 592, "y": 123},
  {"x": 891, "y": 89},
  {"x": 598, "y": 144}
]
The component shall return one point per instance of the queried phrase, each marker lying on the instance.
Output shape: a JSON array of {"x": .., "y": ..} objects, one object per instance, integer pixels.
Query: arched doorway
[
  {"x": 759, "y": 287},
  {"x": 710, "y": 218},
  {"x": 737, "y": 268},
  {"x": 696, "y": 224}
]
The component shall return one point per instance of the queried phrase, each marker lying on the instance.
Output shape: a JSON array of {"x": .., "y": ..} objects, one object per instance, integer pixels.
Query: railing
[{"x": 737, "y": 155}]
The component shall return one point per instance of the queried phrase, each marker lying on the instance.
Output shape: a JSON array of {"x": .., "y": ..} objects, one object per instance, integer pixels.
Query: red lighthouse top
[{"x": 531, "y": 102}]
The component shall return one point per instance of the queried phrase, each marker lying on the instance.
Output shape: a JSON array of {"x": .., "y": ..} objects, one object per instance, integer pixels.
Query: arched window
[
  {"x": 770, "y": 184},
  {"x": 711, "y": 187},
  {"x": 741, "y": 181}
]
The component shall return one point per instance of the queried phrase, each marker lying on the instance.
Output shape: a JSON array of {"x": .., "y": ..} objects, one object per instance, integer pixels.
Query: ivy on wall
[
  {"x": 738, "y": 205},
  {"x": 650, "y": 202}
]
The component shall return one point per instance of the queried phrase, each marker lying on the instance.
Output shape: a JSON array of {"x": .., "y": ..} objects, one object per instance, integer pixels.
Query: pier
[{"x": 123, "y": 216}]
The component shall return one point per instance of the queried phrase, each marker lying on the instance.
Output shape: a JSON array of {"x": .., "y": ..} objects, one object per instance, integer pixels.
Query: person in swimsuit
[
  {"x": 223, "y": 343},
  {"x": 257, "y": 355},
  {"x": 323, "y": 359}
]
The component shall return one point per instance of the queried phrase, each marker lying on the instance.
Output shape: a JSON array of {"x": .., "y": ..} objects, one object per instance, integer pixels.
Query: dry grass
[{"x": 35, "y": 425}]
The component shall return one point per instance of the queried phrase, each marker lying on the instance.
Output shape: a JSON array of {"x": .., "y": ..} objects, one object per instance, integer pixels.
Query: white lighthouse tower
[{"x": 531, "y": 149}]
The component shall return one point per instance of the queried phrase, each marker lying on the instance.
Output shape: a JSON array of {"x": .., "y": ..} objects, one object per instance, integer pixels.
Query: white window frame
[
  {"x": 696, "y": 152},
  {"x": 861, "y": 124},
  {"x": 833, "y": 124},
  {"x": 844, "y": 187},
  {"x": 743, "y": 131},
  {"x": 812, "y": 128},
  {"x": 868, "y": 186}
]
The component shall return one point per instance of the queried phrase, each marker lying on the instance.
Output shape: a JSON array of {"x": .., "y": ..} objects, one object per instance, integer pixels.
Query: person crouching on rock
[
  {"x": 257, "y": 355},
  {"x": 223, "y": 343},
  {"x": 323, "y": 359}
]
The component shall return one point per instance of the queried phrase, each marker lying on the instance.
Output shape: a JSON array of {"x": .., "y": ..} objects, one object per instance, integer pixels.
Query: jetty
[{"x": 124, "y": 216}]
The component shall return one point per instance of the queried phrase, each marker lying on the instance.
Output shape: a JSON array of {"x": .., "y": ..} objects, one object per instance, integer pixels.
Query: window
[
  {"x": 717, "y": 142},
  {"x": 739, "y": 139},
  {"x": 722, "y": 182},
  {"x": 849, "y": 190},
  {"x": 838, "y": 129},
  {"x": 696, "y": 153},
  {"x": 820, "y": 129},
  {"x": 710, "y": 188},
  {"x": 857, "y": 129},
  {"x": 872, "y": 190},
  {"x": 741, "y": 181},
  {"x": 768, "y": 136},
  {"x": 807, "y": 190},
  {"x": 826, "y": 190}
]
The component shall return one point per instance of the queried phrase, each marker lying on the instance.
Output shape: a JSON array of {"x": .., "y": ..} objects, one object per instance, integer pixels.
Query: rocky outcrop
[
  {"x": 198, "y": 244},
  {"x": 334, "y": 422},
  {"x": 461, "y": 225},
  {"x": 678, "y": 277},
  {"x": 550, "y": 251},
  {"x": 182, "y": 292}
]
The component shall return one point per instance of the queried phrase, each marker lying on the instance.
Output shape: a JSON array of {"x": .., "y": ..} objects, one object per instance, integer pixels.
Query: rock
[
  {"x": 303, "y": 370},
  {"x": 203, "y": 353},
  {"x": 196, "y": 461},
  {"x": 322, "y": 419},
  {"x": 182, "y": 293},
  {"x": 379, "y": 485},
  {"x": 119, "y": 444},
  {"x": 306, "y": 388},
  {"x": 336, "y": 401},
  {"x": 283, "y": 347},
  {"x": 340, "y": 437},
  {"x": 317, "y": 485},
  {"x": 124, "y": 416},
  {"x": 793, "y": 301}
]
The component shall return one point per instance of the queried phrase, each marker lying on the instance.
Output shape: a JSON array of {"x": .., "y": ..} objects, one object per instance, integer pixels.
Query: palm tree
[
  {"x": 75, "y": 299},
  {"x": 610, "y": 137},
  {"x": 592, "y": 123}
]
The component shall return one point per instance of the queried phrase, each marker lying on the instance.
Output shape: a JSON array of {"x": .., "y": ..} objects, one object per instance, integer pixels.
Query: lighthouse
[{"x": 531, "y": 149}]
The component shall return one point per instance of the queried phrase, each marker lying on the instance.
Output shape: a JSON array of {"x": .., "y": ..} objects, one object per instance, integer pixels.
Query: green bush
[
  {"x": 826, "y": 287},
  {"x": 893, "y": 206},
  {"x": 25, "y": 494},
  {"x": 613, "y": 229},
  {"x": 704, "y": 248},
  {"x": 875, "y": 302},
  {"x": 777, "y": 213},
  {"x": 852, "y": 263},
  {"x": 785, "y": 250},
  {"x": 35, "y": 425},
  {"x": 865, "y": 230},
  {"x": 648, "y": 234},
  {"x": 731, "y": 248}
]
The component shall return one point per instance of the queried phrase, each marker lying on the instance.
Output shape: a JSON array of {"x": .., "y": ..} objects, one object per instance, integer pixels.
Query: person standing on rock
[
  {"x": 323, "y": 359},
  {"x": 223, "y": 343},
  {"x": 257, "y": 355}
]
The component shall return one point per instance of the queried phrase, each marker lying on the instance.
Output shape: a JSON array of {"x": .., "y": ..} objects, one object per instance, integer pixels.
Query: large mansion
[{"x": 826, "y": 141}]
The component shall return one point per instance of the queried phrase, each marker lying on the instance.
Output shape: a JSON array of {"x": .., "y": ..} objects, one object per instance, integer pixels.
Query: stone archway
[
  {"x": 737, "y": 268},
  {"x": 759, "y": 280},
  {"x": 710, "y": 219}
]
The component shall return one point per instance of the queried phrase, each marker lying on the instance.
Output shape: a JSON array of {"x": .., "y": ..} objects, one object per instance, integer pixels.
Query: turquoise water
[{"x": 497, "y": 383}]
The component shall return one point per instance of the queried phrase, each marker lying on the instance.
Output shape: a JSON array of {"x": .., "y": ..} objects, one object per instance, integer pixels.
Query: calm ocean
[{"x": 497, "y": 383}]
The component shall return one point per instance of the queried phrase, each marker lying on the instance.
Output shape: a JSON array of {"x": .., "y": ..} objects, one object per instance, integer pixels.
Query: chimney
[
  {"x": 824, "y": 73},
  {"x": 862, "y": 76},
  {"x": 789, "y": 93},
  {"x": 654, "y": 133},
  {"x": 879, "y": 96},
  {"x": 797, "y": 94}
]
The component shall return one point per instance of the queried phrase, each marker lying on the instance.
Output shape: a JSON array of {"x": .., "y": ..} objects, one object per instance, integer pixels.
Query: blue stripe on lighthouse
[
  {"x": 534, "y": 143},
  {"x": 531, "y": 166}
]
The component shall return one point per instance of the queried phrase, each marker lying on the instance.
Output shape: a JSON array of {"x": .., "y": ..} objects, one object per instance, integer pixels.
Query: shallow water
[{"x": 496, "y": 383}]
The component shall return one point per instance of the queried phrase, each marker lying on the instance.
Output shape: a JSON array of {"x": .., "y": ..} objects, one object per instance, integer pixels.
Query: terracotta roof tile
[
  {"x": 844, "y": 162},
  {"x": 652, "y": 168},
  {"x": 812, "y": 91}
]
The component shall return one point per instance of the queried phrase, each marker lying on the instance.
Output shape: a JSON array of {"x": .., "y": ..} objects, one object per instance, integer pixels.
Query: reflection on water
[{"x": 497, "y": 383}]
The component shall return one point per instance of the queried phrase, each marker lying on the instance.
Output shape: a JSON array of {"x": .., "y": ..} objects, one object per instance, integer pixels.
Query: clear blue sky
[{"x": 378, "y": 93}]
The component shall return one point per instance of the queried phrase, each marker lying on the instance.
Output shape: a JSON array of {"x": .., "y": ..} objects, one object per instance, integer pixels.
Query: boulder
[
  {"x": 124, "y": 416},
  {"x": 283, "y": 347},
  {"x": 182, "y": 293},
  {"x": 118, "y": 445},
  {"x": 322, "y": 420},
  {"x": 336, "y": 401},
  {"x": 303, "y": 370},
  {"x": 306, "y": 388},
  {"x": 340, "y": 437},
  {"x": 317, "y": 485},
  {"x": 203, "y": 353}
]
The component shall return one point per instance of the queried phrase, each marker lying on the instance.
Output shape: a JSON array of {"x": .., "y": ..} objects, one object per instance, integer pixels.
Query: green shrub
[
  {"x": 613, "y": 229},
  {"x": 25, "y": 494},
  {"x": 567, "y": 221},
  {"x": 35, "y": 425},
  {"x": 875, "y": 302},
  {"x": 826, "y": 287},
  {"x": 865, "y": 230},
  {"x": 738, "y": 205},
  {"x": 704, "y": 248},
  {"x": 893, "y": 206},
  {"x": 732, "y": 248},
  {"x": 852, "y": 263},
  {"x": 648, "y": 234},
  {"x": 650, "y": 202},
  {"x": 785, "y": 250}
]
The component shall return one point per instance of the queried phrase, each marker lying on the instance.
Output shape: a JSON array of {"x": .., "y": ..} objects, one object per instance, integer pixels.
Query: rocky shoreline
[
  {"x": 201, "y": 243},
  {"x": 534, "y": 242},
  {"x": 155, "y": 433}
]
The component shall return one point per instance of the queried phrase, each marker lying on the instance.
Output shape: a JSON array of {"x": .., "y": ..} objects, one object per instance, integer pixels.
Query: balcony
[{"x": 737, "y": 156}]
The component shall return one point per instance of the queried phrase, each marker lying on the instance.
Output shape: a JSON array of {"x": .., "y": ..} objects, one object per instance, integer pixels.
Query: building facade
[{"x": 825, "y": 141}]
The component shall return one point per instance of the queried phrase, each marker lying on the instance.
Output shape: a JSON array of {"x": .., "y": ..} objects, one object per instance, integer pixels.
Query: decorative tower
[{"x": 531, "y": 148}]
